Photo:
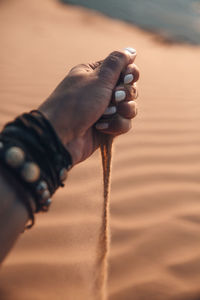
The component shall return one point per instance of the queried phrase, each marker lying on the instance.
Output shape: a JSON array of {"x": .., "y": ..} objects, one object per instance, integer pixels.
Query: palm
[{"x": 84, "y": 145}]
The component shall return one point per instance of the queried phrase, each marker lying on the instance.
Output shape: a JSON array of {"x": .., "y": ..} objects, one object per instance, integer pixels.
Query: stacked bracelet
[{"x": 32, "y": 151}]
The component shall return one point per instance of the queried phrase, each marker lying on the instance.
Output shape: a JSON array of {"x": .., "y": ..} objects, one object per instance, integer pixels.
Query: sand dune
[{"x": 155, "y": 199}]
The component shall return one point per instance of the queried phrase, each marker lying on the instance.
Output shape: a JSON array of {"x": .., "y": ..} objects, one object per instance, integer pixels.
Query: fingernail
[
  {"x": 130, "y": 50},
  {"x": 120, "y": 96},
  {"x": 110, "y": 110},
  {"x": 102, "y": 126},
  {"x": 128, "y": 78}
]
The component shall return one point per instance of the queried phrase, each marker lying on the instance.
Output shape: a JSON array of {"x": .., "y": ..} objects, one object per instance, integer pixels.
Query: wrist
[
  {"x": 64, "y": 133},
  {"x": 33, "y": 153}
]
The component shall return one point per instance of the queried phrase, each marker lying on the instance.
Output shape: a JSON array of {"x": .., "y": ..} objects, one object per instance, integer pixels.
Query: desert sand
[{"x": 155, "y": 195}]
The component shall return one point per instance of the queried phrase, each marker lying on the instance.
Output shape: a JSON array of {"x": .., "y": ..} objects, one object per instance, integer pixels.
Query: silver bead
[
  {"x": 1, "y": 145},
  {"x": 14, "y": 156},
  {"x": 63, "y": 174},
  {"x": 45, "y": 195},
  {"x": 30, "y": 172},
  {"x": 69, "y": 167},
  {"x": 48, "y": 202},
  {"x": 42, "y": 186},
  {"x": 46, "y": 205}
]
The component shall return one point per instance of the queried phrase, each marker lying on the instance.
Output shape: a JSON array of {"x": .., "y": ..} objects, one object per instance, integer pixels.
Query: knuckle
[
  {"x": 117, "y": 57},
  {"x": 80, "y": 68},
  {"x": 136, "y": 74},
  {"x": 131, "y": 92},
  {"x": 127, "y": 110},
  {"x": 132, "y": 114},
  {"x": 72, "y": 81},
  {"x": 73, "y": 69},
  {"x": 76, "y": 68}
]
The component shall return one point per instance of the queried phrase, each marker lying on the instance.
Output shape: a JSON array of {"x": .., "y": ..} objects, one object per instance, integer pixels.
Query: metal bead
[
  {"x": 1, "y": 145},
  {"x": 45, "y": 195},
  {"x": 42, "y": 186},
  {"x": 46, "y": 205},
  {"x": 14, "y": 156},
  {"x": 30, "y": 172},
  {"x": 48, "y": 202},
  {"x": 63, "y": 174},
  {"x": 69, "y": 167}
]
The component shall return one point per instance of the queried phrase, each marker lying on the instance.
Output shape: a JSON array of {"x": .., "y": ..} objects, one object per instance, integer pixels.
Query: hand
[{"x": 91, "y": 100}]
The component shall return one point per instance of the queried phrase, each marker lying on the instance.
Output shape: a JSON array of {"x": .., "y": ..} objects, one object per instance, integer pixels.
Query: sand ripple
[{"x": 155, "y": 199}]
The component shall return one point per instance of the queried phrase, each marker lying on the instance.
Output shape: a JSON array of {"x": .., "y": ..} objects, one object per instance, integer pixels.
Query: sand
[{"x": 155, "y": 198}]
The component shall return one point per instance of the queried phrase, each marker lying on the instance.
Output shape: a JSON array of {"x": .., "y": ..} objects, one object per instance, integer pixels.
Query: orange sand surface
[{"x": 155, "y": 199}]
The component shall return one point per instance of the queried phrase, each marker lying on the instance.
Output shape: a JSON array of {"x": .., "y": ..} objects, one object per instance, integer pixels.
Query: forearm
[
  {"x": 13, "y": 212},
  {"x": 33, "y": 165}
]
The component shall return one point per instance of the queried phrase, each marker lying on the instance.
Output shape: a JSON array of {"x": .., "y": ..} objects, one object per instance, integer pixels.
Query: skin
[
  {"x": 87, "y": 91},
  {"x": 74, "y": 109}
]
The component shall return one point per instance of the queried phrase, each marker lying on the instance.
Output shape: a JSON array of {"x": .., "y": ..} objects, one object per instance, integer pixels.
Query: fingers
[
  {"x": 126, "y": 89},
  {"x": 130, "y": 74},
  {"x": 116, "y": 120},
  {"x": 127, "y": 110},
  {"x": 117, "y": 117},
  {"x": 110, "y": 69},
  {"x": 124, "y": 93},
  {"x": 115, "y": 126}
]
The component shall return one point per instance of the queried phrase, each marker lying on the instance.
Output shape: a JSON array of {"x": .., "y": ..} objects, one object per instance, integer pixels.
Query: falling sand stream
[{"x": 104, "y": 237}]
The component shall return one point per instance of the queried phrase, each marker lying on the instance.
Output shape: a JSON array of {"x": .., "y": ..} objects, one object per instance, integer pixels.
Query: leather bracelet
[{"x": 32, "y": 151}]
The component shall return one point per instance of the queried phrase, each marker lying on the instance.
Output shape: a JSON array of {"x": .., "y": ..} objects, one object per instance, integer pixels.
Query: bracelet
[{"x": 32, "y": 151}]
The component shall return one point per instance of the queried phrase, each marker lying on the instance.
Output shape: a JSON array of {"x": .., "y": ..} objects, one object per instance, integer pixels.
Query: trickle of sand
[{"x": 104, "y": 237}]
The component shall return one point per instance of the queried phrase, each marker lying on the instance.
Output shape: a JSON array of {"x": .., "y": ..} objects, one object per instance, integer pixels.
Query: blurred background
[
  {"x": 176, "y": 20},
  {"x": 155, "y": 194}
]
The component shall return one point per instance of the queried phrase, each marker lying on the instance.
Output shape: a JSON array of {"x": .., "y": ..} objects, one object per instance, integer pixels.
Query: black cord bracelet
[{"x": 33, "y": 152}]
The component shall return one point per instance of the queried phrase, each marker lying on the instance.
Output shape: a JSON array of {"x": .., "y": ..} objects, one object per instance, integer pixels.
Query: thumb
[{"x": 110, "y": 69}]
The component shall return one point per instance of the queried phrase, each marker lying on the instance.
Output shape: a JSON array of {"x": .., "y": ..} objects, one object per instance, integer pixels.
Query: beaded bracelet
[{"x": 32, "y": 151}]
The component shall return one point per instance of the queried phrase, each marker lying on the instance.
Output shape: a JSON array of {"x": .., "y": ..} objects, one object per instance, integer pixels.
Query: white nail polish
[
  {"x": 120, "y": 96},
  {"x": 128, "y": 78},
  {"x": 110, "y": 110},
  {"x": 102, "y": 126},
  {"x": 130, "y": 50}
]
